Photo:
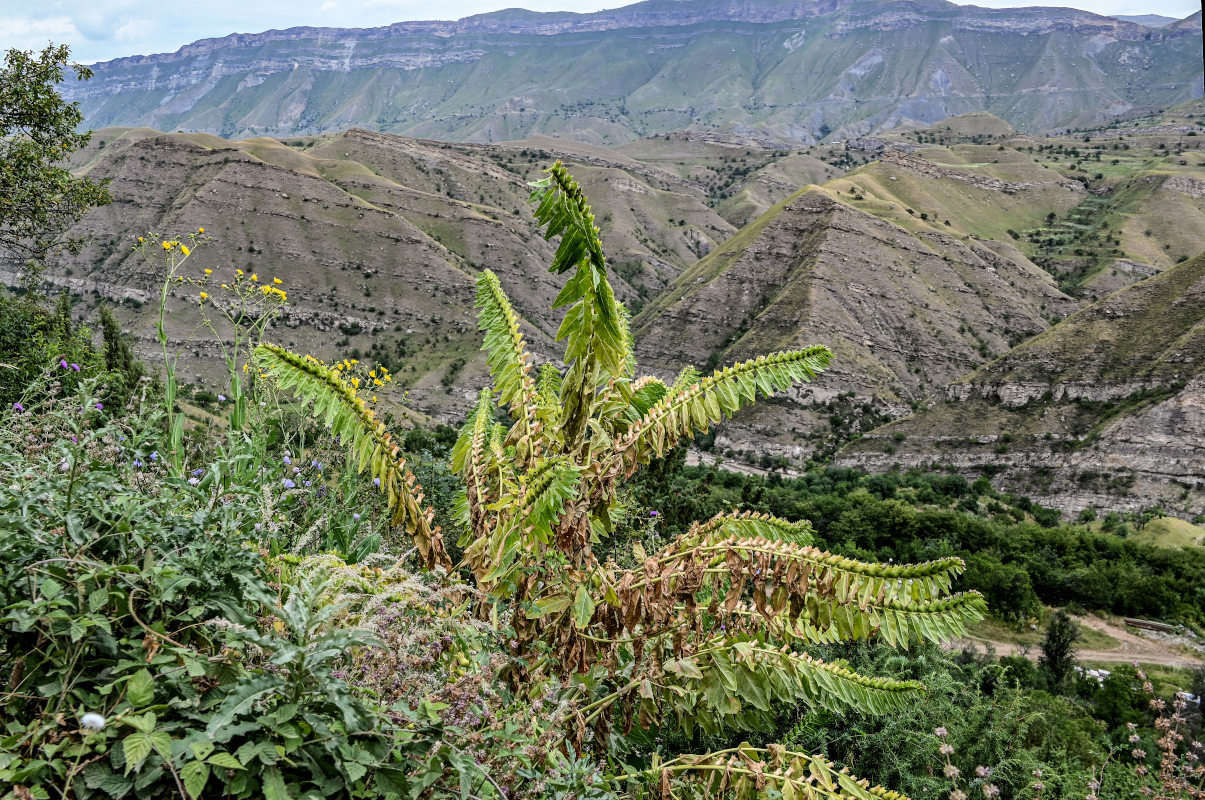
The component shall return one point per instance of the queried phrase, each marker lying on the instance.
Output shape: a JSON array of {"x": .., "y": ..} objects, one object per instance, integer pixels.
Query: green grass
[
  {"x": 997, "y": 630},
  {"x": 1171, "y": 532}
]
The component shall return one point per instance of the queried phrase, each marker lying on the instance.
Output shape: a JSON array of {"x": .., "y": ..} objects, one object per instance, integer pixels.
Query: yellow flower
[
  {"x": 140, "y": 240},
  {"x": 254, "y": 277},
  {"x": 374, "y": 398},
  {"x": 208, "y": 271},
  {"x": 355, "y": 382},
  {"x": 184, "y": 249},
  {"x": 200, "y": 230},
  {"x": 167, "y": 245},
  {"x": 372, "y": 373},
  {"x": 239, "y": 271},
  {"x": 277, "y": 281},
  {"x": 224, "y": 286},
  {"x": 377, "y": 382},
  {"x": 204, "y": 295}
]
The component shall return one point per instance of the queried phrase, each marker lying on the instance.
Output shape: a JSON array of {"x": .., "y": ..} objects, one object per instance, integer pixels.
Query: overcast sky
[{"x": 98, "y": 30}]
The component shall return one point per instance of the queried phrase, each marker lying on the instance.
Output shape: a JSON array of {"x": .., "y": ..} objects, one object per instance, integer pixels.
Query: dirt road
[{"x": 1130, "y": 647}]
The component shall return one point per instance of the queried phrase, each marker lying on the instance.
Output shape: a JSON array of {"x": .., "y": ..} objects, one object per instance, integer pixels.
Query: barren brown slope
[
  {"x": 377, "y": 238},
  {"x": 1107, "y": 408},
  {"x": 903, "y": 311}
]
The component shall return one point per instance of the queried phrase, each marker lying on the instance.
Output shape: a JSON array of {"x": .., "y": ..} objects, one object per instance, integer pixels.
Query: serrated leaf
[
  {"x": 195, "y": 775},
  {"x": 140, "y": 688},
  {"x": 225, "y": 760},
  {"x": 274, "y": 785},
  {"x": 136, "y": 747}
]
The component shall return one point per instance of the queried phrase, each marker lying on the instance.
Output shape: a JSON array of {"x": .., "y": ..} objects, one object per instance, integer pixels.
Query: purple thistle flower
[
  {"x": 654, "y": 513},
  {"x": 63, "y": 363},
  {"x": 18, "y": 407},
  {"x": 75, "y": 367},
  {"x": 288, "y": 484},
  {"x": 100, "y": 406}
]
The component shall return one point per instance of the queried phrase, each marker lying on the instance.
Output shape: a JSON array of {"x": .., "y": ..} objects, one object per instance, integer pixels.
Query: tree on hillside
[
  {"x": 39, "y": 197},
  {"x": 709, "y": 633},
  {"x": 1058, "y": 649}
]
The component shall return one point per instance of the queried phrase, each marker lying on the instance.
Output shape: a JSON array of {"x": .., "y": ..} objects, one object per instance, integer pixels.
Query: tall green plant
[{"x": 708, "y": 632}]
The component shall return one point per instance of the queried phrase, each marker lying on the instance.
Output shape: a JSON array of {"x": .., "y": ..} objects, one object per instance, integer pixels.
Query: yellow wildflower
[
  {"x": 184, "y": 249},
  {"x": 377, "y": 382},
  {"x": 254, "y": 277},
  {"x": 372, "y": 373},
  {"x": 277, "y": 281},
  {"x": 355, "y": 382},
  {"x": 374, "y": 398},
  {"x": 204, "y": 295},
  {"x": 200, "y": 230},
  {"x": 167, "y": 245},
  {"x": 208, "y": 272},
  {"x": 239, "y": 271},
  {"x": 140, "y": 240}
]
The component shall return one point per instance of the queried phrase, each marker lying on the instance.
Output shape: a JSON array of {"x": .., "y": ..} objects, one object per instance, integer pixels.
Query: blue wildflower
[
  {"x": 221, "y": 398},
  {"x": 376, "y": 481},
  {"x": 288, "y": 484},
  {"x": 155, "y": 455},
  {"x": 18, "y": 407},
  {"x": 287, "y": 459},
  {"x": 194, "y": 481}
]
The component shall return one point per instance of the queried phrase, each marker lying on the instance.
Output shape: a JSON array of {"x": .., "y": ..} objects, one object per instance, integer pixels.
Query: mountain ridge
[{"x": 788, "y": 73}]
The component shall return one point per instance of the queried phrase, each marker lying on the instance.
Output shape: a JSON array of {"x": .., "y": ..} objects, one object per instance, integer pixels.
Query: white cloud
[
  {"x": 329, "y": 5},
  {"x": 28, "y": 33},
  {"x": 136, "y": 30}
]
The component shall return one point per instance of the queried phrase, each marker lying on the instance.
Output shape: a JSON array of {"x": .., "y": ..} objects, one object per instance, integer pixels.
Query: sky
[{"x": 98, "y": 30}]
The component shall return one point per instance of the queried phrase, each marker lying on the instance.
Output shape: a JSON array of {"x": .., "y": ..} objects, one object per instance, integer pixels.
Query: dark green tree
[
  {"x": 39, "y": 197},
  {"x": 124, "y": 367},
  {"x": 1058, "y": 650}
]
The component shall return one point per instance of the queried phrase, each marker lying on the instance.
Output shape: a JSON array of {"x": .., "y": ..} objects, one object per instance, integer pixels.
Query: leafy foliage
[
  {"x": 702, "y": 631},
  {"x": 371, "y": 445},
  {"x": 40, "y": 200}
]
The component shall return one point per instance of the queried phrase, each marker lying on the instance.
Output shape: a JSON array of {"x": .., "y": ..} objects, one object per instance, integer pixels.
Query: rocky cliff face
[
  {"x": 656, "y": 67},
  {"x": 1105, "y": 409}
]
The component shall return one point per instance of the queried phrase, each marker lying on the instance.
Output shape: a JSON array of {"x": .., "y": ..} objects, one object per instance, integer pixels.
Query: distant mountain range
[{"x": 774, "y": 72}]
